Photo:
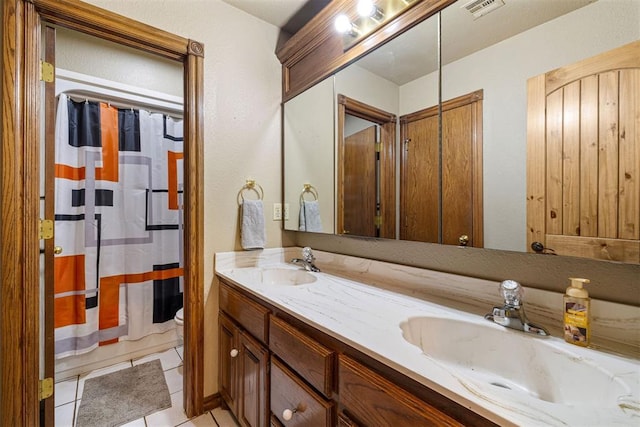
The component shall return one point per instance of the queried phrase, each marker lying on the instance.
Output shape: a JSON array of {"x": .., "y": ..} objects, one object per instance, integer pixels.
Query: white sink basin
[
  {"x": 272, "y": 276},
  {"x": 515, "y": 362}
]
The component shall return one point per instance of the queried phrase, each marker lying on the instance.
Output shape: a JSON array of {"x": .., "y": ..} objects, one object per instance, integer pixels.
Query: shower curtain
[{"x": 118, "y": 217}]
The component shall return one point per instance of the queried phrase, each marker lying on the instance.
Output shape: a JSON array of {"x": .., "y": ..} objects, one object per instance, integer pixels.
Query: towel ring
[
  {"x": 251, "y": 185},
  {"x": 308, "y": 188}
]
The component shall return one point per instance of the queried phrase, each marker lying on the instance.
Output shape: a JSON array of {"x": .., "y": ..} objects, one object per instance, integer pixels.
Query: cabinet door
[
  {"x": 228, "y": 361},
  {"x": 254, "y": 387}
]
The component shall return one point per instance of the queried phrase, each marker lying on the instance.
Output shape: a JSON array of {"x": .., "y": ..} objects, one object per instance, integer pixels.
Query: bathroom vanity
[{"x": 307, "y": 348}]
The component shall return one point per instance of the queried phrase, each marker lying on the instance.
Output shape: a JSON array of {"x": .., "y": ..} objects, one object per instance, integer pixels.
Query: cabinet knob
[
  {"x": 233, "y": 353},
  {"x": 287, "y": 414},
  {"x": 57, "y": 250}
]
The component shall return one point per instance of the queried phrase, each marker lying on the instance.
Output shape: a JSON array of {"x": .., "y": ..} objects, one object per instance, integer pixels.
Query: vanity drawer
[
  {"x": 288, "y": 392},
  {"x": 252, "y": 316},
  {"x": 310, "y": 359},
  {"x": 372, "y": 400}
]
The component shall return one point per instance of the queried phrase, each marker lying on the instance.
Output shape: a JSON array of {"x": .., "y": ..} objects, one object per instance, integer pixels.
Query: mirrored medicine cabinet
[{"x": 453, "y": 167}]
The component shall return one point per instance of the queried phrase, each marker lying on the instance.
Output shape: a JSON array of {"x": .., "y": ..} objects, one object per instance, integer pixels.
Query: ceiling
[{"x": 288, "y": 15}]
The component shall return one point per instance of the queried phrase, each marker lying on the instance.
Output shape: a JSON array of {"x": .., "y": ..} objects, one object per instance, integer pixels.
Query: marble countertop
[{"x": 368, "y": 318}]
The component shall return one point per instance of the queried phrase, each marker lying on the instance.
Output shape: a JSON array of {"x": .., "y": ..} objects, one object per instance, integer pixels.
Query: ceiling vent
[{"x": 480, "y": 8}]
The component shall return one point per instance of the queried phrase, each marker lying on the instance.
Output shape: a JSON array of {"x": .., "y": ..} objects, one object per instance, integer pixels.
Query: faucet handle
[
  {"x": 307, "y": 254},
  {"x": 512, "y": 292}
]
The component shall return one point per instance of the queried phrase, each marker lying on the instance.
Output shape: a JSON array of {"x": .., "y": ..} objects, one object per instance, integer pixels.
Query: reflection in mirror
[
  {"x": 309, "y": 159},
  {"x": 366, "y": 169},
  {"x": 379, "y": 87},
  {"x": 494, "y": 55},
  {"x": 497, "y": 53}
]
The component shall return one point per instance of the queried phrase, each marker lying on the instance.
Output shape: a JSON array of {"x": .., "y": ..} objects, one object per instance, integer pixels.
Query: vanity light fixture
[
  {"x": 363, "y": 17},
  {"x": 343, "y": 25}
]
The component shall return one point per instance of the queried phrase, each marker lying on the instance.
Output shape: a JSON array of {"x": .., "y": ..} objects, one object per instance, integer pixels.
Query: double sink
[{"x": 533, "y": 378}]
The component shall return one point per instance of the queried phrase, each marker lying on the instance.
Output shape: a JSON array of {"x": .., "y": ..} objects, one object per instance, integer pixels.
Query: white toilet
[{"x": 179, "y": 319}]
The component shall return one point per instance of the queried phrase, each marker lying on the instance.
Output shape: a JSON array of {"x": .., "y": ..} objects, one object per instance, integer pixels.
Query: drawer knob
[
  {"x": 233, "y": 353},
  {"x": 287, "y": 414}
]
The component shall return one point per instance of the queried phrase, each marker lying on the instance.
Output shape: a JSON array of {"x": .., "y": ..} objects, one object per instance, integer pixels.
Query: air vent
[{"x": 480, "y": 8}]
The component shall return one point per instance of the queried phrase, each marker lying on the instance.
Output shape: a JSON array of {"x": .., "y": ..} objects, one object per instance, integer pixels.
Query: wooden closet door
[
  {"x": 360, "y": 183},
  {"x": 419, "y": 181},
  {"x": 461, "y": 186},
  {"x": 583, "y": 160},
  {"x": 457, "y": 180}
]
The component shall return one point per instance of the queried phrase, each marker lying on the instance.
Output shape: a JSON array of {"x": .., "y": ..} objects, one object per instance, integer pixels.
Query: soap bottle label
[{"x": 575, "y": 322}]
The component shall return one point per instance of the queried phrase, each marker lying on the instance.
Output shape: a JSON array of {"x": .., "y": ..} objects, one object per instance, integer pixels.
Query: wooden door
[
  {"x": 253, "y": 372},
  {"x": 583, "y": 159},
  {"x": 360, "y": 183},
  {"x": 419, "y": 198},
  {"x": 228, "y": 351},
  {"x": 452, "y": 200}
]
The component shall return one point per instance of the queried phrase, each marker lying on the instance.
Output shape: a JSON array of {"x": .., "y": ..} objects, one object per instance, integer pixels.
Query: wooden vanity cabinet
[
  {"x": 277, "y": 366},
  {"x": 243, "y": 359}
]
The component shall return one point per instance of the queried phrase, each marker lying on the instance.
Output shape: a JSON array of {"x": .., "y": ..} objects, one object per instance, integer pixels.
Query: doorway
[
  {"x": 19, "y": 333},
  {"x": 366, "y": 170}
]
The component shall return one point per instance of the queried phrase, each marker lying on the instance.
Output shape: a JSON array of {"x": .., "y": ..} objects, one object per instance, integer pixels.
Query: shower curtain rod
[{"x": 118, "y": 103}]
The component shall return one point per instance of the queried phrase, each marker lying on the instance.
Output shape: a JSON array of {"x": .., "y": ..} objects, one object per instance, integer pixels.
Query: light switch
[{"x": 277, "y": 211}]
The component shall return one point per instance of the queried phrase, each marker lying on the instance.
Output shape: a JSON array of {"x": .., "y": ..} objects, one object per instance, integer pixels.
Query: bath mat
[{"x": 123, "y": 396}]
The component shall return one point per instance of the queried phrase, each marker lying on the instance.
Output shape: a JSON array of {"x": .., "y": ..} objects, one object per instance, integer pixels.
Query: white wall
[
  {"x": 502, "y": 71},
  {"x": 309, "y": 152},
  {"x": 242, "y": 92},
  {"x": 100, "y": 58}
]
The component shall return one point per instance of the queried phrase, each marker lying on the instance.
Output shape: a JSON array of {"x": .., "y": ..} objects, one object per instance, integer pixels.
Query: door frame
[
  {"x": 19, "y": 190},
  {"x": 387, "y": 122}
]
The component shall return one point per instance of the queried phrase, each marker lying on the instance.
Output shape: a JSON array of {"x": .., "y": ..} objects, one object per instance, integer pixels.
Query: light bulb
[
  {"x": 342, "y": 24},
  {"x": 366, "y": 8}
]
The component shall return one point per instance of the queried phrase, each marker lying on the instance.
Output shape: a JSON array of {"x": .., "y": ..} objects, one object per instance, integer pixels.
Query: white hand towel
[
  {"x": 310, "y": 216},
  {"x": 252, "y": 231}
]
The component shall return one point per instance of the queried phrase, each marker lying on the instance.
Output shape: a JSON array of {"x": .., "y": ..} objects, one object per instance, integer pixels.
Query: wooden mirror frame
[{"x": 19, "y": 192}]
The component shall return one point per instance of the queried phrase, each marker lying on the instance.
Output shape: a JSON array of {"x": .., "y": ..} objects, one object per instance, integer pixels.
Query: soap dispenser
[{"x": 576, "y": 313}]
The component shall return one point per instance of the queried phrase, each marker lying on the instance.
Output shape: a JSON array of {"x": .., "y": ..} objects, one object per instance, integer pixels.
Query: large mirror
[{"x": 487, "y": 60}]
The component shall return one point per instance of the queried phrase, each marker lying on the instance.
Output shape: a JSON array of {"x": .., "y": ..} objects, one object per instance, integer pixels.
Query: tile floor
[{"x": 68, "y": 394}]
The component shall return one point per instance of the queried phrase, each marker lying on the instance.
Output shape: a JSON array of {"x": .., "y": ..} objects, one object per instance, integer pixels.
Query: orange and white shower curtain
[{"x": 118, "y": 218}]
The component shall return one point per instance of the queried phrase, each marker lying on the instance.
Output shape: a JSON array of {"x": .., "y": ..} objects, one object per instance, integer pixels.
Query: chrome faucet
[
  {"x": 307, "y": 260},
  {"x": 511, "y": 314}
]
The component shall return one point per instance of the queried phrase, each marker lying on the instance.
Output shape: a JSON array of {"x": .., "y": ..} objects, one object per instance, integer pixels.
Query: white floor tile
[
  {"x": 169, "y": 359},
  {"x": 98, "y": 372},
  {"x": 64, "y": 415},
  {"x": 66, "y": 391},
  {"x": 205, "y": 420},
  {"x": 136, "y": 423},
  {"x": 224, "y": 418},
  {"x": 180, "y": 350},
  {"x": 174, "y": 379},
  {"x": 171, "y": 416}
]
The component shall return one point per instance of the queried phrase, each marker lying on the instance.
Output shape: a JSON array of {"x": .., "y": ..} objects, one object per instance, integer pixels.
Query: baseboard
[{"x": 212, "y": 402}]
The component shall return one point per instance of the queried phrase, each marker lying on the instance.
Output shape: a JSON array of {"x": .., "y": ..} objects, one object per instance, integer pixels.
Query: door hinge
[
  {"x": 378, "y": 221},
  {"x": 46, "y": 229},
  {"x": 47, "y": 73},
  {"x": 45, "y": 388},
  {"x": 406, "y": 144},
  {"x": 378, "y": 147}
]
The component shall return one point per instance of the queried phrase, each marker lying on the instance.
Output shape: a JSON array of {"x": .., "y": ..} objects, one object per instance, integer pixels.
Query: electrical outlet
[
  {"x": 277, "y": 211},
  {"x": 286, "y": 211}
]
